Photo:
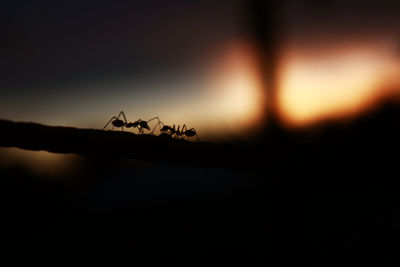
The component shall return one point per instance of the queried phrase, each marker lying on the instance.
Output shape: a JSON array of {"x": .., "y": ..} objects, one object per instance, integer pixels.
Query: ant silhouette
[
  {"x": 177, "y": 133},
  {"x": 140, "y": 124}
]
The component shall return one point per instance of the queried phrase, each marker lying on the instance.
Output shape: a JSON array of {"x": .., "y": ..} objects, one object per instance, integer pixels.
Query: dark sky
[
  {"x": 58, "y": 42},
  {"x": 332, "y": 19}
]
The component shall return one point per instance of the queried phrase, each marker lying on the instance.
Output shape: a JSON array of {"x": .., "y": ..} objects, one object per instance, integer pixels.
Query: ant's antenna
[
  {"x": 159, "y": 123},
  {"x": 155, "y": 118}
]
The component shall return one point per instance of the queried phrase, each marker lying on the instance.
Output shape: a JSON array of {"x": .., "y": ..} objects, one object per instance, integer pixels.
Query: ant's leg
[
  {"x": 174, "y": 135},
  {"x": 159, "y": 126},
  {"x": 110, "y": 121},
  {"x": 159, "y": 123},
  {"x": 140, "y": 127},
  {"x": 123, "y": 115},
  {"x": 178, "y": 133},
  {"x": 183, "y": 131},
  {"x": 119, "y": 115},
  {"x": 154, "y": 128}
]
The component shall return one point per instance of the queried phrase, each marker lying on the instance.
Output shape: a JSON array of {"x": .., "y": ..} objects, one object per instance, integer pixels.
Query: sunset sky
[
  {"x": 295, "y": 104},
  {"x": 339, "y": 58},
  {"x": 78, "y": 63}
]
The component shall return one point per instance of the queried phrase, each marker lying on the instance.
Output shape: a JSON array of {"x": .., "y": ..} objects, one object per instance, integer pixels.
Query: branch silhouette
[{"x": 99, "y": 143}]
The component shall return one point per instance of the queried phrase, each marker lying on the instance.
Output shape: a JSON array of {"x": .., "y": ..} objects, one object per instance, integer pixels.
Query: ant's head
[
  {"x": 144, "y": 125},
  {"x": 191, "y": 132},
  {"x": 165, "y": 128}
]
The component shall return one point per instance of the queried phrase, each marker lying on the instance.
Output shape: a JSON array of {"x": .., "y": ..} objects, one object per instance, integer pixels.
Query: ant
[
  {"x": 177, "y": 133},
  {"x": 140, "y": 124}
]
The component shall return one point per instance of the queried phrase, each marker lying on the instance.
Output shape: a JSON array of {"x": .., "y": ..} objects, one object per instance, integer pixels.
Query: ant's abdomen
[{"x": 118, "y": 123}]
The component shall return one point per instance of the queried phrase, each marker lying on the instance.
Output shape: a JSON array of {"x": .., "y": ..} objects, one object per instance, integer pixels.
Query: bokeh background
[
  {"x": 79, "y": 63},
  {"x": 319, "y": 72}
]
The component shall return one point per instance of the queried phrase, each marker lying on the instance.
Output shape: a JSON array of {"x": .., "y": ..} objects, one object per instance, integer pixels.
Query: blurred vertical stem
[{"x": 264, "y": 22}]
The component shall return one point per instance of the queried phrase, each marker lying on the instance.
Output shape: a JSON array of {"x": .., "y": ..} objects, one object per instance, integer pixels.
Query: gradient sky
[{"x": 77, "y": 63}]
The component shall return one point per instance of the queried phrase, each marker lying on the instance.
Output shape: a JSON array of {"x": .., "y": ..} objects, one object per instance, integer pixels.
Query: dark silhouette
[
  {"x": 177, "y": 133},
  {"x": 140, "y": 124},
  {"x": 116, "y": 122},
  {"x": 165, "y": 131},
  {"x": 112, "y": 144}
]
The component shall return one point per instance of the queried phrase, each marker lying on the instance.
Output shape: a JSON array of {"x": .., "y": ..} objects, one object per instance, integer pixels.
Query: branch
[{"x": 99, "y": 143}]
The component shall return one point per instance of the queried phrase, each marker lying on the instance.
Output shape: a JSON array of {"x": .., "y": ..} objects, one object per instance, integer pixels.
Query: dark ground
[{"x": 327, "y": 197}]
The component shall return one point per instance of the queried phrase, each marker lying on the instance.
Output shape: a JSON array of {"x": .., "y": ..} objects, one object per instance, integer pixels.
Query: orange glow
[
  {"x": 335, "y": 82},
  {"x": 229, "y": 100},
  {"x": 221, "y": 96},
  {"x": 236, "y": 88}
]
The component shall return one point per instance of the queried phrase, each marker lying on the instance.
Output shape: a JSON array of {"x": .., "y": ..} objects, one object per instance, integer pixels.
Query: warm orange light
[
  {"x": 230, "y": 100},
  {"x": 335, "y": 82},
  {"x": 236, "y": 89}
]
